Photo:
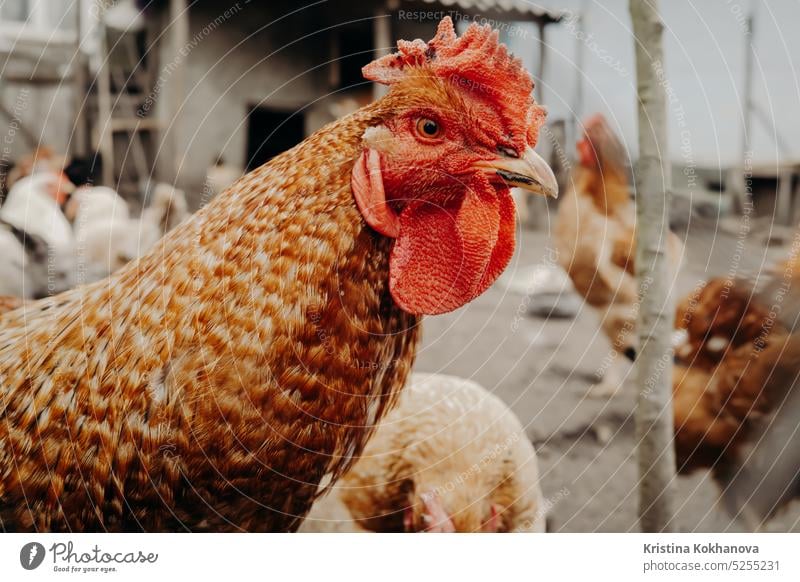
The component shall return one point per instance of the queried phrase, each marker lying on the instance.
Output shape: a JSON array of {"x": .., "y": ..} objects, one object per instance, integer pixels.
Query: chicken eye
[{"x": 428, "y": 128}]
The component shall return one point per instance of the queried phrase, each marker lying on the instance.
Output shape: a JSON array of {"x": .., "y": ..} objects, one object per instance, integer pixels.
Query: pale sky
[{"x": 704, "y": 54}]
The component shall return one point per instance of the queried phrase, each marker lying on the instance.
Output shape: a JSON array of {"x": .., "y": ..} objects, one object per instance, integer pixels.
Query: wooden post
[
  {"x": 542, "y": 61},
  {"x": 30, "y": 136},
  {"x": 78, "y": 141},
  {"x": 794, "y": 217},
  {"x": 741, "y": 192},
  {"x": 577, "y": 105},
  {"x": 654, "y": 425},
  {"x": 104, "y": 139},
  {"x": 382, "y": 41},
  {"x": 179, "y": 20},
  {"x": 335, "y": 68},
  {"x": 783, "y": 204}
]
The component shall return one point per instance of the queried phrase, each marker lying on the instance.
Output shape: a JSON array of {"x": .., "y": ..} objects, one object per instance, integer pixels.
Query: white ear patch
[
  {"x": 678, "y": 338},
  {"x": 379, "y": 138},
  {"x": 717, "y": 343}
]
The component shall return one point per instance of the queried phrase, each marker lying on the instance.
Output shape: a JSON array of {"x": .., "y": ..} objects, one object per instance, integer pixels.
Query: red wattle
[
  {"x": 506, "y": 241},
  {"x": 366, "y": 181},
  {"x": 446, "y": 255}
]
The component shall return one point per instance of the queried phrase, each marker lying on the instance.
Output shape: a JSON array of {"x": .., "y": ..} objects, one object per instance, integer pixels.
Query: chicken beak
[{"x": 529, "y": 171}]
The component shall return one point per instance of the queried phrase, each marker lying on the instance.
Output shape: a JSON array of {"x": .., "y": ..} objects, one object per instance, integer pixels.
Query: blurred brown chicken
[
  {"x": 595, "y": 237},
  {"x": 733, "y": 392}
]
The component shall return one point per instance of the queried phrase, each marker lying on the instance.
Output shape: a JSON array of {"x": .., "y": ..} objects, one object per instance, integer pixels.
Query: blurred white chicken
[
  {"x": 42, "y": 159},
  {"x": 450, "y": 457},
  {"x": 33, "y": 207},
  {"x": 108, "y": 238},
  {"x": 23, "y": 265}
]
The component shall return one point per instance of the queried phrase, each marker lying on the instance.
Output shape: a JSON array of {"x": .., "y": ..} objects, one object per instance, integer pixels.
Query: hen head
[
  {"x": 428, "y": 512},
  {"x": 54, "y": 184},
  {"x": 455, "y": 132},
  {"x": 600, "y": 148},
  {"x": 722, "y": 315}
]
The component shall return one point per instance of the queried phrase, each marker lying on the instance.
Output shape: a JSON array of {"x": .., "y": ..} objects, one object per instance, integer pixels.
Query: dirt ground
[{"x": 543, "y": 369}]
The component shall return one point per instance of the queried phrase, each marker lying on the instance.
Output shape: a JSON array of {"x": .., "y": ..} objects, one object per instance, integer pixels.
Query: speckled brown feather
[
  {"x": 218, "y": 381},
  {"x": 9, "y": 303}
]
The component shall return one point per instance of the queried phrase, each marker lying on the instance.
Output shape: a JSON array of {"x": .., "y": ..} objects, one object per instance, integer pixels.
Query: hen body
[
  {"x": 224, "y": 379},
  {"x": 213, "y": 383},
  {"x": 595, "y": 235},
  {"x": 449, "y": 450}
]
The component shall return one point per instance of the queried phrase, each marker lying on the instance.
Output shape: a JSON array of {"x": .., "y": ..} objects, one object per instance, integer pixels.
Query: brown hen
[
  {"x": 734, "y": 392},
  {"x": 595, "y": 236},
  {"x": 224, "y": 379}
]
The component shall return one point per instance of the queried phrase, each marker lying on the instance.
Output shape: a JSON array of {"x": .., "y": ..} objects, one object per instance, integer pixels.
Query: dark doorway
[
  {"x": 271, "y": 132},
  {"x": 356, "y": 49}
]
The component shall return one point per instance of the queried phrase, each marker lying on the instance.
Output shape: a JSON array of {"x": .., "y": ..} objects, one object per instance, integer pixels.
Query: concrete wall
[
  {"x": 46, "y": 112},
  {"x": 233, "y": 60}
]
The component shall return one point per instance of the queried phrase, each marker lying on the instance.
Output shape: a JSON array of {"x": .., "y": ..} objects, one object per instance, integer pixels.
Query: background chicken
[
  {"x": 41, "y": 159},
  {"x": 107, "y": 237},
  {"x": 595, "y": 238},
  {"x": 33, "y": 207},
  {"x": 23, "y": 264},
  {"x": 225, "y": 378},
  {"x": 450, "y": 457},
  {"x": 735, "y": 405}
]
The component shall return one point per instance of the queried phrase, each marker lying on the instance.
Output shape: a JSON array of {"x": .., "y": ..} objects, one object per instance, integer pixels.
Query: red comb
[
  {"x": 596, "y": 121},
  {"x": 476, "y": 61}
]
